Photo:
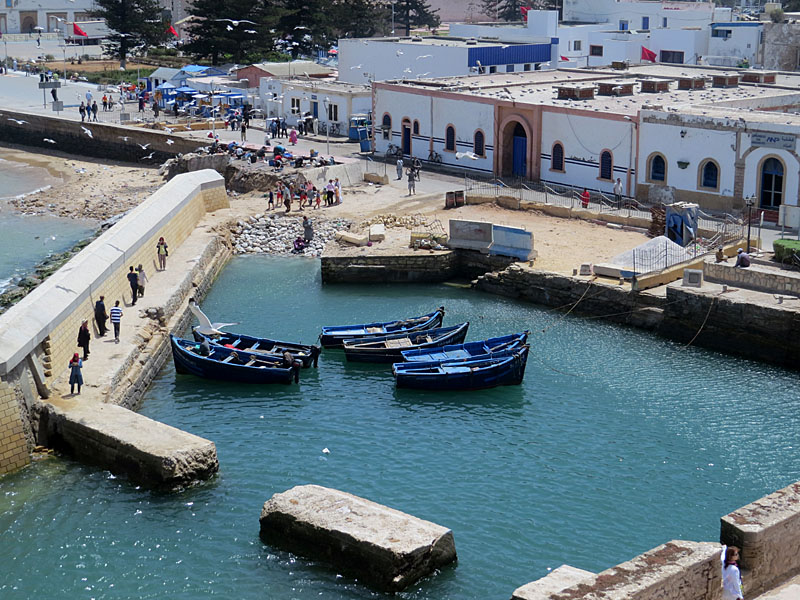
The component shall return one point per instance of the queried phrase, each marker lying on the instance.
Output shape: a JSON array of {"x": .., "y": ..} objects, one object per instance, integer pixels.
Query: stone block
[
  {"x": 377, "y": 232},
  {"x": 585, "y": 269},
  {"x": 351, "y": 238},
  {"x": 692, "y": 278},
  {"x": 123, "y": 441},
  {"x": 554, "y": 582},
  {"x": 383, "y": 547}
]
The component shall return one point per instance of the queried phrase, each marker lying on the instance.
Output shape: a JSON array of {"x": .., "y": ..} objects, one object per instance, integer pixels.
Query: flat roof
[
  {"x": 455, "y": 42},
  {"x": 539, "y": 88}
]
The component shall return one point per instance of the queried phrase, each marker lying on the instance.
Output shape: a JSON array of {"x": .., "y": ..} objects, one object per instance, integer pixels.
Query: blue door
[
  {"x": 520, "y": 154},
  {"x": 645, "y": 22},
  {"x": 315, "y": 109},
  {"x": 406, "y": 138}
]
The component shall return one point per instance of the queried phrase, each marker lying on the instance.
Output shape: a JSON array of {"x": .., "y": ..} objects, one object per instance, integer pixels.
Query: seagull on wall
[{"x": 206, "y": 327}]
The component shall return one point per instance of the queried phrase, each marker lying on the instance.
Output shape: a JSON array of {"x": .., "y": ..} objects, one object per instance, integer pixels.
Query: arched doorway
[
  {"x": 514, "y": 150},
  {"x": 771, "y": 192},
  {"x": 407, "y": 137},
  {"x": 28, "y": 22}
]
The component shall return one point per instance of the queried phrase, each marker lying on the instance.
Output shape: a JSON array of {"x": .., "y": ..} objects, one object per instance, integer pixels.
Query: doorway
[{"x": 771, "y": 195}]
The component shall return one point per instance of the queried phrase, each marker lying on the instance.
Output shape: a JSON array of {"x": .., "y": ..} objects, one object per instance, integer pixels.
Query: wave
[{"x": 26, "y": 194}]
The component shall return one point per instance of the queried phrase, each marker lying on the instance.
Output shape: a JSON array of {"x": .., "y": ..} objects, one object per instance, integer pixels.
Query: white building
[
  {"x": 700, "y": 134},
  {"x": 644, "y": 14},
  {"x": 736, "y": 43},
  {"x": 378, "y": 59},
  {"x": 24, "y": 16},
  {"x": 327, "y": 100}
]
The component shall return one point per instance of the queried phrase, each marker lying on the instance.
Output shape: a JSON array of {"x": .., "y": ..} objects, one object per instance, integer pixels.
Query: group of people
[
  {"x": 742, "y": 257},
  {"x": 137, "y": 280},
  {"x": 307, "y": 194},
  {"x": 88, "y": 110}
]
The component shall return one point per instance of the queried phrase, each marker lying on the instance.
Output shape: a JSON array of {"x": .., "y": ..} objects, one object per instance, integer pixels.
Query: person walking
[
  {"x": 618, "y": 193},
  {"x": 82, "y": 110},
  {"x": 337, "y": 190},
  {"x": 75, "y": 375},
  {"x": 400, "y": 168},
  {"x": 94, "y": 111},
  {"x": 142, "y": 277},
  {"x": 105, "y": 103},
  {"x": 731, "y": 577},
  {"x": 100, "y": 316},
  {"x": 133, "y": 281},
  {"x": 162, "y": 251},
  {"x": 83, "y": 339},
  {"x": 308, "y": 230},
  {"x": 244, "y": 132},
  {"x": 412, "y": 182},
  {"x": 585, "y": 197},
  {"x": 329, "y": 192},
  {"x": 116, "y": 319},
  {"x": 293, "y": 136}
]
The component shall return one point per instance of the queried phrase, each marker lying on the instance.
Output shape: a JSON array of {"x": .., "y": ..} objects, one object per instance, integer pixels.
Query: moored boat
[
  {"x": 469, "y": 350},
  {"x": 505, "y": 368},
  {"x": 387, "y": 349},
  {"x": 306, "y": 353},
  {"x": 228, "y": 364},
  {"x": 333, "y": 337}
]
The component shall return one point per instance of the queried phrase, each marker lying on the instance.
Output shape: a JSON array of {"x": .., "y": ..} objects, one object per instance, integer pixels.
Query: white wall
[
  {"x": 584, "y": 138},
  {"x": 616, "y": 47},
  {"x": 743, "y": 43},
  {"x": 68, "y": 7},
  {"x": 567, "y": 36},
  {"x": 692, "y": 42},
  {"x": 349, "y": 102},
  {"x": 434, "y": 115},
  {"x": 381, "y": 61},
  {"x": 678, "y": 14}
]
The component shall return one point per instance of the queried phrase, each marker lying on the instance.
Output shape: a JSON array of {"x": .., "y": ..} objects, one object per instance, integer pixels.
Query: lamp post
[
  {"x": 749, "y": 203},
  {"x": 326, "y": 102}
]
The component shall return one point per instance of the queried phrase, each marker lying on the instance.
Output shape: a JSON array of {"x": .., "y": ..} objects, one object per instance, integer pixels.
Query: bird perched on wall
[{"x": 206, "y": 327}]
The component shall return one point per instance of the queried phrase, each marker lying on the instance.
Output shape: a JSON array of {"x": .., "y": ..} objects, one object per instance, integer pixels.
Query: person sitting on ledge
[
  {"x": 742, "y": 259},
  {"x": 720, "y": 255}
]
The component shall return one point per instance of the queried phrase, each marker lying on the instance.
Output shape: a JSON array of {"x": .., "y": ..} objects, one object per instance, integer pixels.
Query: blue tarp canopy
[
  {"x": 186, "y": 90},
  {"x": 166, "y": 86}
]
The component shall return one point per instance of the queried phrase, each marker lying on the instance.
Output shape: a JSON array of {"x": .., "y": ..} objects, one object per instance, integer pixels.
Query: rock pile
[
  {"x": 407, "y": 221},
  {"x": 274, "y": 233}
]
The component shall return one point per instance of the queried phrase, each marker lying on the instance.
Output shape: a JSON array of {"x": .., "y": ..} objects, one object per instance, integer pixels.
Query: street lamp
[
  {"x": 750, "y": 201},
  {"x": 326, "y": 102}
]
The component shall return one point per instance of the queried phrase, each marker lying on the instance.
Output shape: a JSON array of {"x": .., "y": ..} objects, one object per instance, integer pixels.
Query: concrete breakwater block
[
  {"x": 383, "y": 547},
  {"x": 351, "y": 238},
  {"x": 377, "y": 232},
  {"x": 123, "y": 441}
]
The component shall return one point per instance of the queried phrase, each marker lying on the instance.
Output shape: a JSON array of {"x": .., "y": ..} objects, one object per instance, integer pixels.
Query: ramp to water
[{"x": 123, "y": 441}]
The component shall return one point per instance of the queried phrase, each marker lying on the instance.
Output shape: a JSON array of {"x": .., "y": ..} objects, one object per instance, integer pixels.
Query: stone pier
[{"x": 382, "y": 547}]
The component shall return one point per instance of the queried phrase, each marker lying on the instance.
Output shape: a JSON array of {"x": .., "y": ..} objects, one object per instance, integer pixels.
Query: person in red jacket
[{"x": 585, "y": 198}]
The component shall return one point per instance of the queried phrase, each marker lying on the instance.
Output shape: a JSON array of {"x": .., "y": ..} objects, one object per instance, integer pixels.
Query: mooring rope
[
  {"x": 703, "y": 324},
  {"x": 557, "y": 321}
]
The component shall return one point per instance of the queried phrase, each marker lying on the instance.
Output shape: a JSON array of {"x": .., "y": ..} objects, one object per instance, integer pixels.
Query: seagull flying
[
  {"x": 170, "y": 142},
  {"x": 148, "y": 157},
  {"x": 124, "y": 138},
  {"x": 143, "y": 146},
  {"x": 471, "y": 155},
  {"x": 407, "y": 70},
  {"x": 356, "y": 67},
  {"x": 251, "y": 31},
  {"x": 206, "y": 327},
  {"x": 87, "y": 131},
  {"x": 399, "y": 52},
  {"x": 228, "y": 27},
  {"x": 49, "y": 141},
  {"x": 236, "y": 23},
  {"x": 425, "y": 56},
  {"x": 18, "y": 121}
]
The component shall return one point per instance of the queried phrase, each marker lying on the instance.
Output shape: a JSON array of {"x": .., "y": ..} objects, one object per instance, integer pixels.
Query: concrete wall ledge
[
  {"x": 384, "y": 548},
  {"x": 677, "y": 570},
  {"x": 123, "y": 441}
]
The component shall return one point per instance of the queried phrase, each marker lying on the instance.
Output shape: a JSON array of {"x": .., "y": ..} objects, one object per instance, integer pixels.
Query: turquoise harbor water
[{"x": 615, "y": 443}]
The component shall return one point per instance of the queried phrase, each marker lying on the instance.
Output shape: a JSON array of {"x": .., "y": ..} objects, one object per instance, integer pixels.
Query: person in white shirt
[
  {"x": 618, "y": 192},
  {"x": 731, "y": 578}
]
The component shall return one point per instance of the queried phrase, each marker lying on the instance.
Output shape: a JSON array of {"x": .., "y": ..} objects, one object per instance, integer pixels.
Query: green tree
[
  {"x": 133, "y": 24},
  {"x": 217, "y": 35},
  {"x": 308, "y": 25},
  {"x": 360, "y": 18},
  {"x": 509, "y": 10},
  {"x": 411, "y": 14}
]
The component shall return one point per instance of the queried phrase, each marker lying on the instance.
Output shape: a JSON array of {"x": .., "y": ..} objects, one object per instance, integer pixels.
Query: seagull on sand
[{"x": 206, "y": 327}]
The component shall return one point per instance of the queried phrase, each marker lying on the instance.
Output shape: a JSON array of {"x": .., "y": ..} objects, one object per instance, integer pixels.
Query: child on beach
[{"x": 271, "y": 201}]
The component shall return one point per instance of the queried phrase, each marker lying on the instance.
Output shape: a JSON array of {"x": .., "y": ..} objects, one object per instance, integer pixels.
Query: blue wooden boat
[
  {"x": 507, "y": 368},
  {"x": 306, "y": 354},
  {"x": 228, "y": 364},
  {"x": 332, "y": 337},
  {"x": 467, "y": 351},
  {"x": 387, "y": 349}
]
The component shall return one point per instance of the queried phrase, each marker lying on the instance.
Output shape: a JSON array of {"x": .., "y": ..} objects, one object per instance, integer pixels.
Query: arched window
[
  {"x": 478, "y": 146},
  {"x": 771, "y": 183},
  {"x": 450, "y": 138},
  {"x": 658, "y": 168},
  {"x": 606, "y": 165},
  {"x": 387, "y": 126},
  {"x": 709, "y": 175},
  {"x": 557, "y": 158},
  {"x": 416, "y": 127}
]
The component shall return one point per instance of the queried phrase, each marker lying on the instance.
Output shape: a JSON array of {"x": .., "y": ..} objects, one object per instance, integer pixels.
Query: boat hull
[
  {"x": 388, "y": 349},
  {"x": 468, "y": 351},
  {"x": 463, "y": 376},
  {"x": 334, "y": 337},
  {"x": 212, "y": 367},
  {"x": 308, "y": 355}
]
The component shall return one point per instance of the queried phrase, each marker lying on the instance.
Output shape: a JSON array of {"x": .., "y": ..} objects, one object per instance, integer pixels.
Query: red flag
[
  {"x": 648, "y": 55},
  {"x": 78, "y": 31},
  {"x": 524, "y": 10},
  {"x": 171, "y": 30},
  {"x": 564, "y": 58}
]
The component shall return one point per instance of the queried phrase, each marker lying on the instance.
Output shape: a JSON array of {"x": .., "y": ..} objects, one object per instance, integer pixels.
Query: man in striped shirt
[{"x": 115, "y": 314}]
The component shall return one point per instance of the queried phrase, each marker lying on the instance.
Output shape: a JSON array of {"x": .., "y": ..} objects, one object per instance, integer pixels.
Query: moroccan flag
[
  {"x": 171, "y": 30},
  {"x": 78, "y": 31},
  {"x": 564, "y": 58},
  {"x": 524, "y": 10},
  {"x": 648, "y": 55}
]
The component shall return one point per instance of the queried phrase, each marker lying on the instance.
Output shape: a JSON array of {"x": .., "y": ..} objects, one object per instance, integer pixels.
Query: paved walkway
[{"x": 788, "y": 591}]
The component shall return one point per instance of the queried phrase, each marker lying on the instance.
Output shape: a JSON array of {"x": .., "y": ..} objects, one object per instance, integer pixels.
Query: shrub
[{"x": 785, "y": 248}]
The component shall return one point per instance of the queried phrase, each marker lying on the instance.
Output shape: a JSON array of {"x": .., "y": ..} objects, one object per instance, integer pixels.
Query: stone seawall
[
  {"x": 106, "y": 140},
  {"x": 420, "y": 266}
]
